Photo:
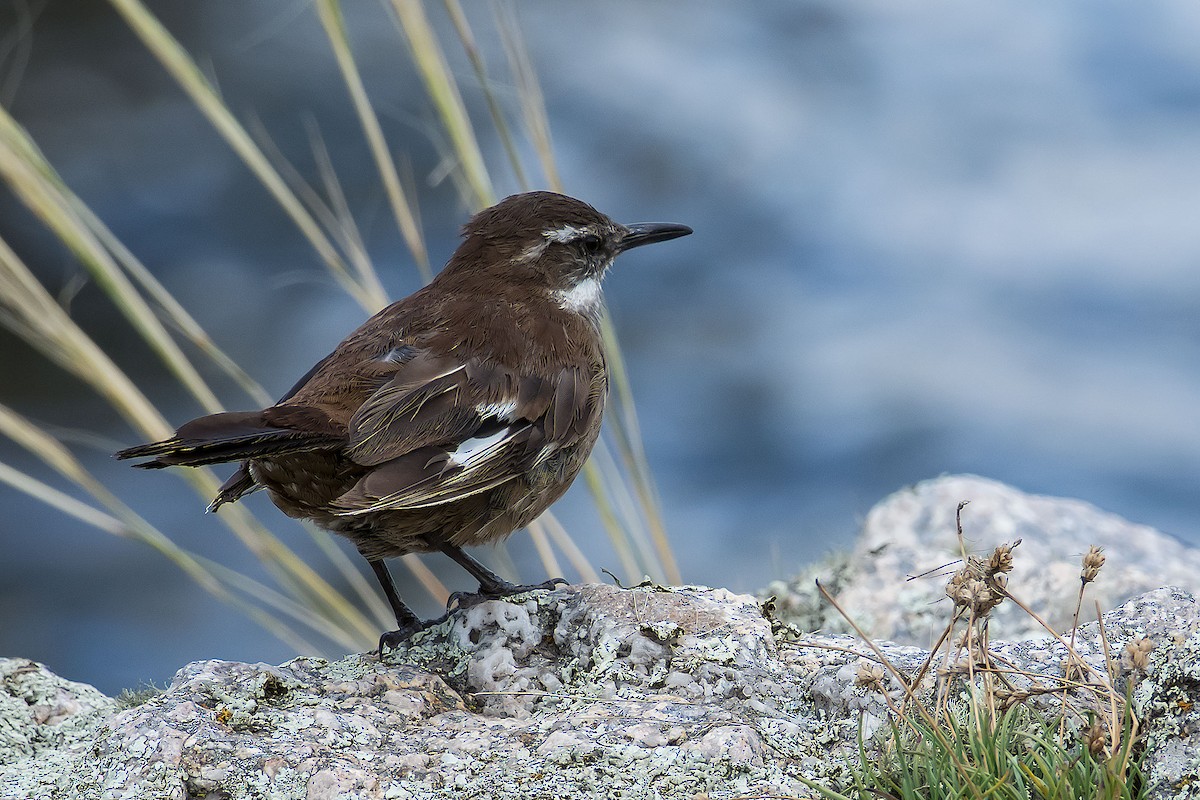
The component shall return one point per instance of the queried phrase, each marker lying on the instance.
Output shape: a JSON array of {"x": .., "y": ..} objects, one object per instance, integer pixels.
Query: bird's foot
[
  {"x": 500, "y": 589},
  {"x": 394, "y": 640}
]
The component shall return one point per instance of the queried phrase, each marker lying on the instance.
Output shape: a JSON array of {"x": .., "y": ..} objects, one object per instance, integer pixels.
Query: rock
[
  {"x": 1168, "y": 702},
  {"x": 893, "y": 583},
  {"x": 580, "y": 692},
  {"x": 646, "y": 692},
  {"x": 46, "y": 722}
]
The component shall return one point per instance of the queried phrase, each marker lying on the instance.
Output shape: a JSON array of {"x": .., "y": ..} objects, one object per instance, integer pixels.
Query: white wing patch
[
  {"x": 500, "y": 411},
  {"x": 472, "y": 449}
]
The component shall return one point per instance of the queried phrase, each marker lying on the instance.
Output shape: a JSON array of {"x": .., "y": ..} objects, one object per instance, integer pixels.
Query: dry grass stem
[
  {"x": 204, "y": 96},
  {"x": 335, "y": 28},
  {"x": 326, "y": 221},
  {"x": 980, "y": 736}
]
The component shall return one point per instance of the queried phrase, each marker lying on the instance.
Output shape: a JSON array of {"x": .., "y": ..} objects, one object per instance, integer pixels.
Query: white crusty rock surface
[
  {"x": 893, "y": 582},
  {"x": 47, "y": 726},
  {"x": 588, "y": 691},
  {"x": 598, "y": 691}
]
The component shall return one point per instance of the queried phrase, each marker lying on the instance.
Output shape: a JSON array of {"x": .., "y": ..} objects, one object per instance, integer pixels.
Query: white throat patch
[{"x": 584, "y": 297}]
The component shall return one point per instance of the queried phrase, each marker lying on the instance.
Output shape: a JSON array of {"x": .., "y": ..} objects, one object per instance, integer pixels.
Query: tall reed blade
[
  {"x": 303, "y": 598},
  {"x": 443, "y": 91},
  {"x": 335, "y": 28},
  {"x": 183, "y": 68}
]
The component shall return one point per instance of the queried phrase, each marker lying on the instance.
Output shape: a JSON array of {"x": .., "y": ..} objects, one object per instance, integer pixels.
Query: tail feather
[
  {"x": 240, "y": 483},
  {"x": 230, "y": 436}
]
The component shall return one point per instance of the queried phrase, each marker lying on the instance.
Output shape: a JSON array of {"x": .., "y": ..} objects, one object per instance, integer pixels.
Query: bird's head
[{"x": 550, "y": 242}]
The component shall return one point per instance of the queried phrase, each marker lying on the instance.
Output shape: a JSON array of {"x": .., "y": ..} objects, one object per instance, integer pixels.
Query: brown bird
[{"x": 452, "y": 417}]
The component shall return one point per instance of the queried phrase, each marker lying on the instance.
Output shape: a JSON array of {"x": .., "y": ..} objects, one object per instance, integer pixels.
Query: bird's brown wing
[{"x": 441, "y": 430}]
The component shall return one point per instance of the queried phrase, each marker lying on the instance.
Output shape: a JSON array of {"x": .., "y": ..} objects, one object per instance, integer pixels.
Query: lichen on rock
[{"x": 584, "y": 691}]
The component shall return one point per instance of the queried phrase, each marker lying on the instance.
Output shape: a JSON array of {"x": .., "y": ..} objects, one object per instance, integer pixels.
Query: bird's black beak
[{"x": 641, "y": 233}]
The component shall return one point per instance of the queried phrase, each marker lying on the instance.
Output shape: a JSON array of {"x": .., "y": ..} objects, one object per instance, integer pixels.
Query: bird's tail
[{"x": 231, "y": 436}]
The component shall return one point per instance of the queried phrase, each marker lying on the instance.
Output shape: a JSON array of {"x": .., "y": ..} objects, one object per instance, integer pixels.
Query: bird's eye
[{"x": 592, "y": 244}]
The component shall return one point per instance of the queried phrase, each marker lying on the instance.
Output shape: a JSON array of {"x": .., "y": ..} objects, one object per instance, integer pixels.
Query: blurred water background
[{"x": 930, "y": 237}]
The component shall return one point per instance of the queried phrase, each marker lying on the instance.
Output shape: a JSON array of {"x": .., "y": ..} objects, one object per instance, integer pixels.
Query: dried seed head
[
  {"x": 870, "y": 674},
  {"x": 980, "y": 585},
  {"x": 968, "y": 590},
  {"x": 1136, "y": 656},
  {"x": 1096, "y": 737},
  {"x": 1010, "y": 697},
  {"x": 1073, "y": 670},
  {"x": 1093, "y": 560},
  {"x": 978, "y": 591},
  {"x": 1001, "y": 560},
  {"x": 955, "y": 668},
  {"x": 956, "y": 587},
  {"x": 986, "y": 597},
  {"x": 972, "y": 640}
]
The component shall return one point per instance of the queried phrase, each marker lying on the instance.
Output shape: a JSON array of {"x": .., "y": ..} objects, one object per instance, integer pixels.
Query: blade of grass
[
  {"x": 443, "y": 91},
  {"x": 31, "y": 180},
  {"x": 335, "y": 28},
  {"x": 363, "y": 589},
  {"x": 25, "y": 156},
  {"x": 189, "y": 563},
  {"x": 467, "y": 39},
  {"x": 426, "y": 578},
  {"x": 16, "y": 44},
  {"x": 175, "y": 314},
  {"x": 537, "y": 532},
  {"x": 626, "y": 509},
  {"x": 120, "y": 520},
  {"x": 26, "y": 303},
  {"x": 629, "y": 440},
  {"x": 24, "y": 150},
  {"x": 336, "y": 222},
  {"x": 289, "y": 607},
  {"x": 366, "y": 290},
  {"x": 500, "y": 561},
  {"x": 30, "y": 311},
  {"x": 529, "y": 93},
  {"x": 579, "y": 561},
  {"x": 612, "y": 526}
]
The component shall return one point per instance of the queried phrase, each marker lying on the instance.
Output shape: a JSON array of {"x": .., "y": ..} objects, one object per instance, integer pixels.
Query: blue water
[{"x": 930, "y": 238}]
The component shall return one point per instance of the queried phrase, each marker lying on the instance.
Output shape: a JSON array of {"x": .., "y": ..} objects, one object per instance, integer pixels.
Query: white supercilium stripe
[{"x": 564, "y": 234}]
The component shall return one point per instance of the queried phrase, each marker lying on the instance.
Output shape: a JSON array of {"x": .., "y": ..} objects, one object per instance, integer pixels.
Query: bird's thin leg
[
  {"x": 407, "y": 622},
  {"x": 491, "y": 585}
]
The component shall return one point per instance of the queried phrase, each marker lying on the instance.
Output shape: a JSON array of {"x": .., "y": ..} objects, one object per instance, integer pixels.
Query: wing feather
[
  {"x": 443, "y": 432},
  {"x": 406, "y": 414}
]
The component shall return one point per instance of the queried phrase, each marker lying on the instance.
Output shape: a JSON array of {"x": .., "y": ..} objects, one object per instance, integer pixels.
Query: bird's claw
[
  {"x": 468, "y": 599},
  {"x": 394, "y": 640}
]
